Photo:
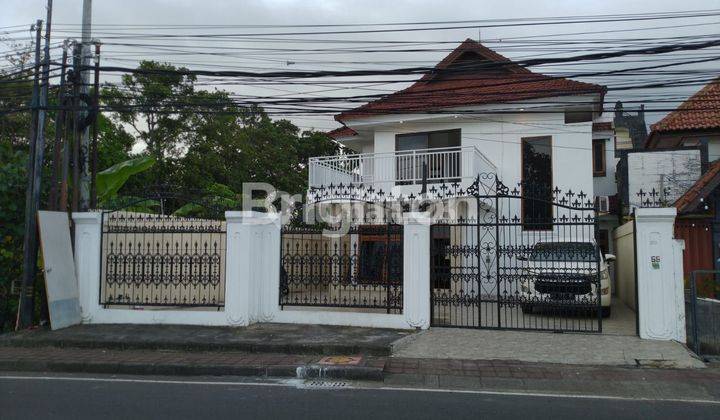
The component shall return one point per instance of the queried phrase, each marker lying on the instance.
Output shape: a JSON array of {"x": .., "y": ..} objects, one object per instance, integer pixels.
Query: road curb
[
  {"x": 306, "y": 349},
  {"x": 309, "y": 371}
]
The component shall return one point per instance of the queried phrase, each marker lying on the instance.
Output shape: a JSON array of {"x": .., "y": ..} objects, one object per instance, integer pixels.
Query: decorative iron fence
[
  {"x": 702, "y": 302},
  {"x": 361, "y": 269},
  {"x": 157, "y": 260}
]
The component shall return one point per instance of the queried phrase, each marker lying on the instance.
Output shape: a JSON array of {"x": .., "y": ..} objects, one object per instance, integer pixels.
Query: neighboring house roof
[
  {"x": 699, "y": 112},
  {"x": 341, "y": 132},
  {"x": 472, "y": 75},
  {"x": 689, "y": 201}
]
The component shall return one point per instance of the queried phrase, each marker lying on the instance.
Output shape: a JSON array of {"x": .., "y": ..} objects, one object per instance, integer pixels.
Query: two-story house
[{"x": 476, "y": 112}]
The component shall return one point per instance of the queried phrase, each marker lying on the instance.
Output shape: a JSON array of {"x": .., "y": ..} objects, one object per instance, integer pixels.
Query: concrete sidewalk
[
  {"x": 256, "y": 338},
  {"x": 542, "y": 347}
]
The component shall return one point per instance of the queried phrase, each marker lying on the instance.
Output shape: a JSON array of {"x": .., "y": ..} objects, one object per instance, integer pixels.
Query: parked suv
[{"x": 560, "y": 273}]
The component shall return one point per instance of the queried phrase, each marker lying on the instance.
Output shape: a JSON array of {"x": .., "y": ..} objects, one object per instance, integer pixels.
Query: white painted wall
[
  {"x": 660, "y": 294},
  {"x": 253, "y": 280},
  {"x": 675, "y": 169},
  {"x": 498, "y": 137},
  {"x": 624, "y": 239},
  {"x": 606, "y": 185}
]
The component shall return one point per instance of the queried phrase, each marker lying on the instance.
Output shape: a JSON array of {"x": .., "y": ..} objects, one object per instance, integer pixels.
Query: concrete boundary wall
[
  {"x": 625, "y": 264},
  {"x": 252, "y": 280}
]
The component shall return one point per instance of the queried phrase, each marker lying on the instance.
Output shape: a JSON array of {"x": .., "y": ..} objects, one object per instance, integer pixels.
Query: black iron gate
[{"x": 524, "y": 258}]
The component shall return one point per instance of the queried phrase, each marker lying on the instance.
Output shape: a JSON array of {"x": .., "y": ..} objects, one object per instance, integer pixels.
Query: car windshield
[{"x": 564, "y": 251}]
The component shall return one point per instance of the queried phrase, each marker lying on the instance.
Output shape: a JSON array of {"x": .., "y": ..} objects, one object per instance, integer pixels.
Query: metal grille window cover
[
  {"x": 157, "y": 260},
  {"x": 360, "y": 269},
  {"x": 500, "y": 270}
]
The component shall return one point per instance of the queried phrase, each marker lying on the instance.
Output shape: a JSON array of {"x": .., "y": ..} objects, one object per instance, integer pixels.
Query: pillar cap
[
  {"x": 251, "y": 217},
  {"x": 88, "y": 217}
]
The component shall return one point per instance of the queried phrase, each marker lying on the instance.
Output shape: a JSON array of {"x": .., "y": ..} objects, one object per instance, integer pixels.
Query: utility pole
[
  {"x": 60, "y": 144},
  {"x": 94, "y": 150},
  {"x": 84, "y": 198},
  {"x": 26, "y": 303},
  {"x": 76, "y": 137}
]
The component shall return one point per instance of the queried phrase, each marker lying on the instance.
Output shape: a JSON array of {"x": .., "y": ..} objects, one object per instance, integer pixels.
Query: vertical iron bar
[
  {"x": 478, "y": 253},
  {"x": 597, "y": 273},
  {"x": 497, "y": 248},
  {"x": 693, "y": 297}
]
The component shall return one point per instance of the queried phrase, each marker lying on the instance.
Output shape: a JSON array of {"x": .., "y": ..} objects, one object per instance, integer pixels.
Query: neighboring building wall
[
  {"x": 673, "y": 171},
  {"x": 630, "y": 127},
  {"x": 625, "y": 264},
  {"x": 698, "y": 252},
  {"x": 606, "y": 185}
]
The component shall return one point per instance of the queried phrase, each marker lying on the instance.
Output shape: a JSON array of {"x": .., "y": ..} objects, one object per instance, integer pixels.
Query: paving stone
[{"x": 259, "y": 338}]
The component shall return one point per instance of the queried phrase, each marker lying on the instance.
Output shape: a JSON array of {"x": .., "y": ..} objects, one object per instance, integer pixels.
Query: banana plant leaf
[{"x": 109, "y": 181}]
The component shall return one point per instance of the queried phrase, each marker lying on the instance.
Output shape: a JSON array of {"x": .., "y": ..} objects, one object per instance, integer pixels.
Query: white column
[
  {"x": 88, "y": 234},
  {"x": 237, "y": 280},
  {"x": 416, "y": 270},
  {"x": 661, "y": 308},
  {"x": 254, "y": 260}
]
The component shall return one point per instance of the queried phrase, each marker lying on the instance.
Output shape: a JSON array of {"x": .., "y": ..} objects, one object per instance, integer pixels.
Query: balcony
[{"x": 390, "y": 169}]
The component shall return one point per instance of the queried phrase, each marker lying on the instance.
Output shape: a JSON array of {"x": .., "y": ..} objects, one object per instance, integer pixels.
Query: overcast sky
[{"x": 293, "y": 12}]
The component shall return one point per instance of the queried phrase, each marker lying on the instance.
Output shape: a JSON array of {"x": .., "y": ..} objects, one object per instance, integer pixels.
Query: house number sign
[{"x": 655, "y": 262}]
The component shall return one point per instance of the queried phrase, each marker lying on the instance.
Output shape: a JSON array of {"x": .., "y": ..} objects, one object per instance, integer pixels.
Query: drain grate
[{"x": 326, "y": 384}]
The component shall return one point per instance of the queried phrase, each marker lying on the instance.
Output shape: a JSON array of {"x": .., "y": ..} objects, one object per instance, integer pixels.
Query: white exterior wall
[
  {"x": 498, "y": 137},
  {"x": 606, "y": 185}
]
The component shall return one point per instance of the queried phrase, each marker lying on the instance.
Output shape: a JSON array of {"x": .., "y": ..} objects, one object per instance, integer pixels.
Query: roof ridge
[
  {"x": 674, "y": 114},
  {"x": 478, "y": 88}
]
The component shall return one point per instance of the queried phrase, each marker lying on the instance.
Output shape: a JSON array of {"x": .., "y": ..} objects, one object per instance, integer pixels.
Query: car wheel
[
  {"x": 606, "y": 310},
  {"x": 527, "y": 308}
]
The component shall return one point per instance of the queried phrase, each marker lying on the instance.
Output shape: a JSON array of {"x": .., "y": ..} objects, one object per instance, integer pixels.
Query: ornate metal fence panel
[
  {"x": 524, "y": 258},
  {"x": 361, "y": 268},
  {"x": 156, "y": 260}
]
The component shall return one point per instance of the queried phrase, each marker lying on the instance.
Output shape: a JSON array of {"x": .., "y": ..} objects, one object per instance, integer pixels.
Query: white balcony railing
[{"x": 399, "y": 168}]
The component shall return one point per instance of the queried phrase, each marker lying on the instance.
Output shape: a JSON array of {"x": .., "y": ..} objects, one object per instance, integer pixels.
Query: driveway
[{"x": 616, "y": 346}]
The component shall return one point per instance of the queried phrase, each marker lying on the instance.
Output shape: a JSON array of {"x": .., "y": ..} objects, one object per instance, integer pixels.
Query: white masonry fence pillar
[
  {"x": 661, "y": 305},
  {"x": 254, "y": 259},
  {"x": 88, "y": 234},
  {"x": 416, "y": 270}
]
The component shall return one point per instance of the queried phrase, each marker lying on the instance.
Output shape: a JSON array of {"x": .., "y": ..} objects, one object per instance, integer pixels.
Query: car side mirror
[{"x": 610, "y": 257}]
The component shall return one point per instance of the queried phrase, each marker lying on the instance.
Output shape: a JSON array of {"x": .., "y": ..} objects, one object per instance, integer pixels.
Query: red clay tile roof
[
  {"x": 602, "y": 126},
  {"x": 701, "y": 189},
  {"x": 500, "y": 81},
  {"x": 341, "y": 132},
  {"x": 700, "y": 111}
]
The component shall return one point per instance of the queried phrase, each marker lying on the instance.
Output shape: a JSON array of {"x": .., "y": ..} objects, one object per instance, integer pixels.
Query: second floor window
[
  {"x": 598, "y": 157},
  {"x": 537, "y": 207}
]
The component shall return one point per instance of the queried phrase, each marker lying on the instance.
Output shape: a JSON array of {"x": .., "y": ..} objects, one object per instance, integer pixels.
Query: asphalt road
[{"x": 40, "y": 397}]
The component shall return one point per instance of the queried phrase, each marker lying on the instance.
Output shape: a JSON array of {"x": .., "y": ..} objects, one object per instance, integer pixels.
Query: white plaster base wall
[
  {"x": 253, "y": 280},
  {"x": 660, "y": 296},
  {"x": 88, "y": 231}
]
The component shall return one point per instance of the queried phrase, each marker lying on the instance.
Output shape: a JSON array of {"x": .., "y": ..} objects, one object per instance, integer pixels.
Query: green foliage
[
  {"x": 110, "y": 180},
  {"x": 216, "y": 198},
  {"x": 156, "y": 107},
  {"x": 13, "y": 173}
]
